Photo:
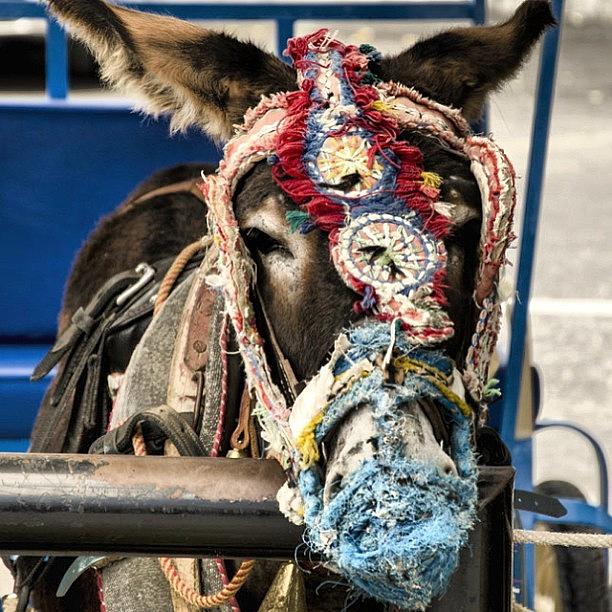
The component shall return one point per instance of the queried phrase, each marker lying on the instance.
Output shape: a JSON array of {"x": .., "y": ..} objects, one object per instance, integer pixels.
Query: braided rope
[
  {"x": 556, "y": 538},
  {"x": 205, "y": 601},
  {"x": 178, "y": 265},
  {"x": 169, "y": 570}
]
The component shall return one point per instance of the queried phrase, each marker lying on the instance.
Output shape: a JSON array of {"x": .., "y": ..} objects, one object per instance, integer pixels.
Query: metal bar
[
  {"x": 273, "y": 10},
  {"x": 56, "y": 60},
  {"x": 284, "y": 31},
  {"x": 69, "y": 505},
  {"x": 535, "y": 181},
  {"x": 533, "y": 199},
  {"x": 90, "y": 504}
]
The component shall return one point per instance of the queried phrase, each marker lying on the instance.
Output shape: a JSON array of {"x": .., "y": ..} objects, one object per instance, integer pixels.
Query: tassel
[
  {"x": 369, "y": 299},
  {"x": 491, "y": 391},
  {"x": 296, "y": 218},
  {"x": 431, "y": 179}
]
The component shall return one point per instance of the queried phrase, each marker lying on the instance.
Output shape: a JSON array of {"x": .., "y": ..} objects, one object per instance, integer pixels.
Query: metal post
[
  {"x": 56, "y": 60},
  {"x": 284, "y": 31},
  {"x": 533, "y": 198},
  {"x": 480, "y": 17},
  {"x": 535, "y": 181}
]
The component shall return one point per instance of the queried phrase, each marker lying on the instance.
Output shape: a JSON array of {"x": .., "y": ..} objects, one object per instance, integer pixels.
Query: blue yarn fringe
[{"x": 396, "y": 527}]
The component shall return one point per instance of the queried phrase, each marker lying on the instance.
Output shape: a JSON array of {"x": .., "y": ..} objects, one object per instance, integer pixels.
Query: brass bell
[
  {"x": 287, "y": 592},
  {"x": 235, "y": 453}
]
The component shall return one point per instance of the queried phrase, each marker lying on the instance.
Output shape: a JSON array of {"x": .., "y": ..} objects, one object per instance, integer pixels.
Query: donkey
[{"x": 209, "y": 80}]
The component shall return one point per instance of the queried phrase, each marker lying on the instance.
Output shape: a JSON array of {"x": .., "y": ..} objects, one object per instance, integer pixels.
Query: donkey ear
[
  {"x": 459, "y": 67},
  {"x": 199, "y": 76}
]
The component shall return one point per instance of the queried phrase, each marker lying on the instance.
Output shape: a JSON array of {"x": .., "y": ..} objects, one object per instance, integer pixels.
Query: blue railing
[{"x": 284, "y": 14}]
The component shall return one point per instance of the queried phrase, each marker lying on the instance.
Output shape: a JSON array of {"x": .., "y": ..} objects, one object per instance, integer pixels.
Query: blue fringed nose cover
[{"x": 396, "y": 526}]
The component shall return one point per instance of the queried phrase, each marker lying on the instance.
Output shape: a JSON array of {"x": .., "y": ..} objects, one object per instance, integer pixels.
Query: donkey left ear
[
  {"x": 200, "y": 77},
  {"x": 460, "y": 67}
]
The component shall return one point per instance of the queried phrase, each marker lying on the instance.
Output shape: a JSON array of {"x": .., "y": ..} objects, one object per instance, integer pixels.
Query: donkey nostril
[
  {"x": 447, "y": 469},
  {"x": 334, "y": 487}
]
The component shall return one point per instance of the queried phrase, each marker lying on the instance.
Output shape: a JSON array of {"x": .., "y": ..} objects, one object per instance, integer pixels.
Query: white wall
[{"x": 577, "y": 12}]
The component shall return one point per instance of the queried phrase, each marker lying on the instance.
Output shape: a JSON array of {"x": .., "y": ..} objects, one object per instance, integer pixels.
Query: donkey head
[{"x": 209, "y": 79}]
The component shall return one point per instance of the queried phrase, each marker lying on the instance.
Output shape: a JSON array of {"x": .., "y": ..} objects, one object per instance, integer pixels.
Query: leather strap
[
  {"x": 83, "y": 320},
  {"x": 188, "y": 186},
  {"x": 158, "y": 425},
  {"x": 289, "y": 384}
]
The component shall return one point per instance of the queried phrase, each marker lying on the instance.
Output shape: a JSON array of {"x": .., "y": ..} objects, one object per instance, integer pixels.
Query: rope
[
  {"x": 556, "y": 538},
  {"x": 178, "y": 265},
  {"x": 175, "y": 581},
  {"x": 205, "y": 601}
]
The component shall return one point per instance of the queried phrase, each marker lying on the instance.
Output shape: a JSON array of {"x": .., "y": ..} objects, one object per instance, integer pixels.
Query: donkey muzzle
[{"x": 357, "y": 439}]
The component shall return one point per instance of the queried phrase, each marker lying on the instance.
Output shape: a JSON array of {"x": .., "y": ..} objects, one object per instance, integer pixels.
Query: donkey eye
[{"x": 259, "y": 241}]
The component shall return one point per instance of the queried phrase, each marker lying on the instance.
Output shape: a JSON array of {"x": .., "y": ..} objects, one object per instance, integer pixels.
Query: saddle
[{"x": 113, "y": 378}]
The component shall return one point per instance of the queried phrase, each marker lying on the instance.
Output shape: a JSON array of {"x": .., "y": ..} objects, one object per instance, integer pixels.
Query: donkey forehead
[{"x": 260, "y": 202}]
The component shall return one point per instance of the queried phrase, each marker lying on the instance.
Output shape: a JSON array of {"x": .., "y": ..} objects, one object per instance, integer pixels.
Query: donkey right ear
[{"x": 200, "y": 77}]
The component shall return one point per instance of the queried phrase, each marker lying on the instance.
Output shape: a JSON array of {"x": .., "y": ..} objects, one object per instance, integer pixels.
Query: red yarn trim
[
  {"x": 100, "y": 590},
  {"x": 290, "y": 172}
]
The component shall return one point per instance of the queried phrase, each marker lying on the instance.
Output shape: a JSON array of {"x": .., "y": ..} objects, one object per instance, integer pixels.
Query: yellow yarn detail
[
  {"x": 431, "y": 179},
  {"x": 306, "y": 442},
  {"x": 436, "y": 378},
  {"x": 455, "y": 399},
  {"x": 418, "y": 367},
  {"x": 381, "y": 106}
]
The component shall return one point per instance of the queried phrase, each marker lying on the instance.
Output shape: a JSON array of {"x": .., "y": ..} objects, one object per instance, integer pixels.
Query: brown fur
[
  {"x": 198, "y": 76},
  {"x": 210, "y": 80},
  {"x": 460, "y": 67}
]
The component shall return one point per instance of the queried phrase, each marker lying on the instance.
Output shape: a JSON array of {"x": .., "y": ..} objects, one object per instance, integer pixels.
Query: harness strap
[
  {"x": 157, "y": 425},
  {"x": 83, "y": 321},
  {"x": 241, "y": 438},
  {"x": 289, "y": 384}
]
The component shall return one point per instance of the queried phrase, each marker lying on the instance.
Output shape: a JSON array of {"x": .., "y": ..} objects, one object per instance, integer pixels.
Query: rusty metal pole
[
  {"x": 180, "y": 506},
  {"x": 197, "y": 507}
]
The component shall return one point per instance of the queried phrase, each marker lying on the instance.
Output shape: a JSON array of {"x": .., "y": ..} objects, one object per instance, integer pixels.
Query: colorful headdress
[{"x": 335, "y": 148}]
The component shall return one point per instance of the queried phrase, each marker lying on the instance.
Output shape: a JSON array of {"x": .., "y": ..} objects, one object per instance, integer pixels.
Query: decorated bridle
[
  {"x": 386, "y": 230},
  {"x": 335, "y": 148}
]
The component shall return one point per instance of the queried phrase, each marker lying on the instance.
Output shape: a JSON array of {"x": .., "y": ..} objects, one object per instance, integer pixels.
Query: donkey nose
[
  {"x": 358, "y": 437},
  {"x": 420, "y": 442}
]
